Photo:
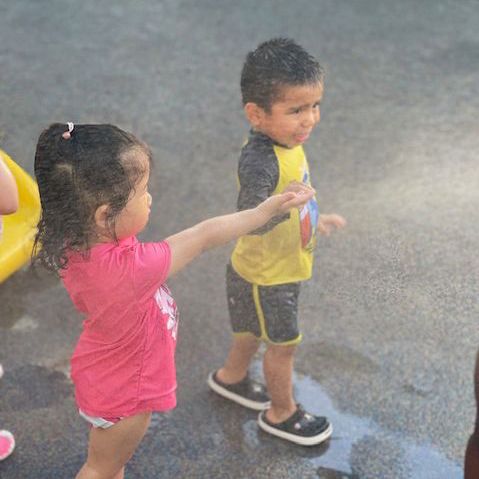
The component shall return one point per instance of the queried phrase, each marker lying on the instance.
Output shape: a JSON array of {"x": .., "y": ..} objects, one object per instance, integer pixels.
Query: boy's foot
[
  {"x": 1, "y": 370},
  {"x": 7, "y": 444},
  {"x": 247, "y": 392},
  {"x": 301, "y": 427}
]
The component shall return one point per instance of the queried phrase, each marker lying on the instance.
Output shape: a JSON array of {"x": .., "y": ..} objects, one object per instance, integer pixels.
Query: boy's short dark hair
[{"x": 274, "y": 64}]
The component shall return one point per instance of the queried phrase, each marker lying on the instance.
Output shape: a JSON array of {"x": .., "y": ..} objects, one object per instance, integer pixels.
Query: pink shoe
[{"x": 7, "y": 444}]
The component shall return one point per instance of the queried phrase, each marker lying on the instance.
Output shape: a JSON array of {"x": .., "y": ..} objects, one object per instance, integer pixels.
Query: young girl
[
  {"x": 8, "y": 205},
  {"x": 93, "y": 182}
]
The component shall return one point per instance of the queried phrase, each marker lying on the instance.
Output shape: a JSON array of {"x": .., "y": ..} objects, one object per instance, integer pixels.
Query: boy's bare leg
[
  {"x": 239, "y": 358},
  {"x": 110, "y": 449},
  {"x": 278, "y": 372}
]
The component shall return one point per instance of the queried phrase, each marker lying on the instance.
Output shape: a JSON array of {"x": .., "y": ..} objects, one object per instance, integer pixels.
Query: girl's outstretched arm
[
  {"x": 188, "y": 244},
  {"x": 8, "y": 191}
]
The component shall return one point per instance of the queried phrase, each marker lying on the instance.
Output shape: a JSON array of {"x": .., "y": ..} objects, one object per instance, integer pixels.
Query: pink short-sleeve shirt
[{"x": 123, "y": 363}]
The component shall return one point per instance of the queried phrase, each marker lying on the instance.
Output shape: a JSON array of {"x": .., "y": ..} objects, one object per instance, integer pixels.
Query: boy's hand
[{"x": 328, "y": 223}]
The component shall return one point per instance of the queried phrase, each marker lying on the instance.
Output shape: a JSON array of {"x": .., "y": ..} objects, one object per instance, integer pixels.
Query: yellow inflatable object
[{"x": 19, "y": 229}]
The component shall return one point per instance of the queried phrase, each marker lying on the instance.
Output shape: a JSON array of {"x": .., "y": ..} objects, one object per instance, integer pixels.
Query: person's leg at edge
[
  {"x": 110, "y": 449},
  {"x": 239, "y": 358},
  {"x": 278, "y": 371},
  {"x": 7, "y": 441},
  {"x": 471, "y": 466}
]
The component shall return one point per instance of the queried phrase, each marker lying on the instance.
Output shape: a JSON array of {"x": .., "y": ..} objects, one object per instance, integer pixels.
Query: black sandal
[
  {"x": 247, "y": 392},
  {"x": 301, "y": 427}
]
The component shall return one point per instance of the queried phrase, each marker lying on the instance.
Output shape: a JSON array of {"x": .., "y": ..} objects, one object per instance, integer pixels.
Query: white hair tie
[{"x": 68, "y": 134}]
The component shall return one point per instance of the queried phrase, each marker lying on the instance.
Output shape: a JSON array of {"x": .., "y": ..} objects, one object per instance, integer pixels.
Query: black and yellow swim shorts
[{"x": 268, "y": 312}]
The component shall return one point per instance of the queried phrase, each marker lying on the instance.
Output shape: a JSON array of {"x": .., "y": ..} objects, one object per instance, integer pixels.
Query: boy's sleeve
[
  {"x": 258, "y": 177},
  {"x": 151, "y": 266}
]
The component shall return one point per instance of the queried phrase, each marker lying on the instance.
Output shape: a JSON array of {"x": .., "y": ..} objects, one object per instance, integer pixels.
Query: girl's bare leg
[{"x": 110, "y": 449}]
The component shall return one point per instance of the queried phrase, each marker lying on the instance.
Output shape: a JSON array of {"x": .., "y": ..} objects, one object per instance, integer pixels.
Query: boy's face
[{"x": 293, "y": 115}]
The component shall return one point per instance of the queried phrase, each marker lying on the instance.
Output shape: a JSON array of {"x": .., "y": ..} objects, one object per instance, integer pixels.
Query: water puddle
[{"x": 360, "y": 448}]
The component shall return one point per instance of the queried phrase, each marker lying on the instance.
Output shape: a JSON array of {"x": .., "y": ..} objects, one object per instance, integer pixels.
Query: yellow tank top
[{"x": 285, "y": 253}]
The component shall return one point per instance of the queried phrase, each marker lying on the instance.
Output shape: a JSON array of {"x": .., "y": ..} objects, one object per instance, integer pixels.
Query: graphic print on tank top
[
  {"x": 308, "y": 218},
  {"x": 167, "y": 305}
]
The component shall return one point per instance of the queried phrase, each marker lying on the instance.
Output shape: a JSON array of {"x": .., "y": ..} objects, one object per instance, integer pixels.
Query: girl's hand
[
  {"x": 328, "y": 223},
  {"x": 294, "y": 195},
  {"x": 298, "y": 187}
]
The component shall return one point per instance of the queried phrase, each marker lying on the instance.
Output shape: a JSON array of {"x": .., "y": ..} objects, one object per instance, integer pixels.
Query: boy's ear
[
  {"x": 254, "y": 114},
  {"x": 101, "y": 215}
]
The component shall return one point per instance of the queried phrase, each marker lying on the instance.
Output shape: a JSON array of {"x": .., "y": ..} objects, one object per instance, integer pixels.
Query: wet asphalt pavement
[{"x": 390, "y": 318}]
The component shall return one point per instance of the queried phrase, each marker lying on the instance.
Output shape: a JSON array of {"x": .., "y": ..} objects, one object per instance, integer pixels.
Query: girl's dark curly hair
[{"x": 97, "y": 165}]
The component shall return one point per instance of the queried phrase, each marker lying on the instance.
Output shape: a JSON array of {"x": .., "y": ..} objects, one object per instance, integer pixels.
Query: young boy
[{"x": 282, "y": 87}]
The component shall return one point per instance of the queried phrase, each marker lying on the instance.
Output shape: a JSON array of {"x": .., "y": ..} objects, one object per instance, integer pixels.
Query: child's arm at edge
[
  {"x": 188, "y": 244},
  {"x": 8, "y": 191}
]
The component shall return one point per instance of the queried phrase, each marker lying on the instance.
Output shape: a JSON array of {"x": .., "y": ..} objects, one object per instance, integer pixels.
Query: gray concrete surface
[{"x": 390, "y": 318}]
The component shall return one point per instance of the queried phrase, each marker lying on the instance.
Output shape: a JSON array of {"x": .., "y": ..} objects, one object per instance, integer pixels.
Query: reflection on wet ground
[
  {"x": 32, "y": 387},
  {"x": 359, "y": 448},
  {"x": 224, "y": 441},
  {"x": 15, "y": 314}
]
